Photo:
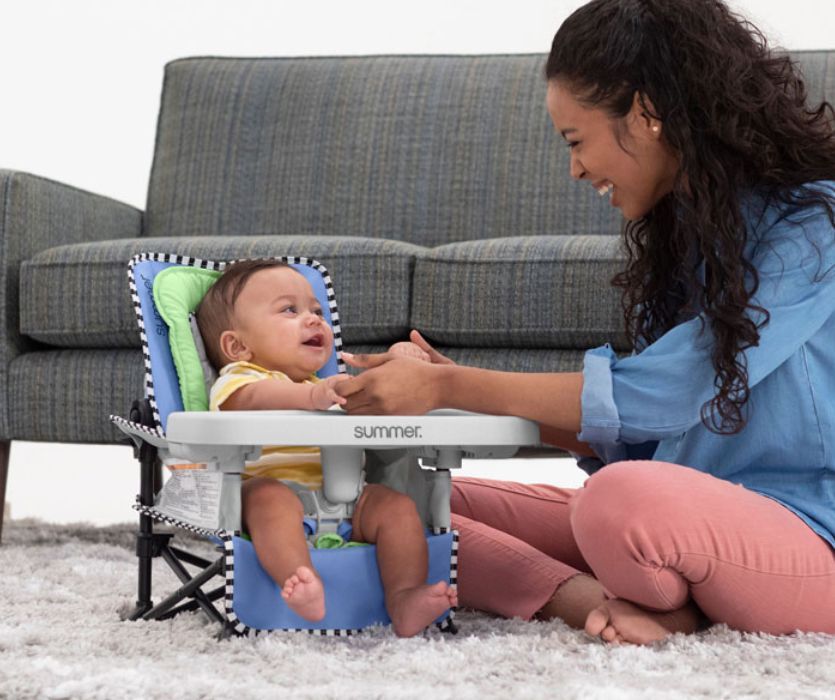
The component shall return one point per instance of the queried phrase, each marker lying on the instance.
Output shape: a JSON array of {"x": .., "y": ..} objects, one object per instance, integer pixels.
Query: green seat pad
[{"x": 178, "y": 291}]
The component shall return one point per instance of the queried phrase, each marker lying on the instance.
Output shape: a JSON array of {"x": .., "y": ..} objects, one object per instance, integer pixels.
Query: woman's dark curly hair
[{"x": 737, "y": 118}]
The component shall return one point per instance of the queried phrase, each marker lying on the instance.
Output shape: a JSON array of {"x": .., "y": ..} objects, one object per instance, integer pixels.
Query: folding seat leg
[
  {"x": 146, "y": 540},
  {"x": 146, "y": 548}
]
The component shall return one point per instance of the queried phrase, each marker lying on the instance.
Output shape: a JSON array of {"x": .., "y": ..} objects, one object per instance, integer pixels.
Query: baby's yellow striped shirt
[{"x": 300, "y": 464}]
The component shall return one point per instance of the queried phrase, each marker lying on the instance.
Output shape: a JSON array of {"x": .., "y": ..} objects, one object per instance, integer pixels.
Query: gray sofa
[{"x": 432, "y": 187}]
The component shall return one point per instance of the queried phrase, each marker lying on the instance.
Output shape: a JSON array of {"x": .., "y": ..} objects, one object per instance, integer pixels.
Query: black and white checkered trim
[
  {"x": 224, "y": 535},
  {"x": 161, "y": 517},
  {"x": 235, "y": 624},
  {"x": 137, "y": 308},
  {"x": 448, "y": 624},
  {"x": 217, "y": 266},
  {"x": 132, "y": 428},
  {"x": 335, "y": 323}
]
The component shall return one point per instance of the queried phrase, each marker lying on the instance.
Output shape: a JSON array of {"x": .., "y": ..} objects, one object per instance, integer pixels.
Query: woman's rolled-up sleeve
[{"x": 658, "y": 393}]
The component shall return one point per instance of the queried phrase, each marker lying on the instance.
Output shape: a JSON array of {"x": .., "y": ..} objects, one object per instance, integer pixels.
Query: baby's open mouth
[{"x": 315, "y": 341}]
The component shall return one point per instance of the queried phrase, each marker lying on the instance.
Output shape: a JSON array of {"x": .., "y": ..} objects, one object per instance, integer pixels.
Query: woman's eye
[{"x": 572, "y": 144}]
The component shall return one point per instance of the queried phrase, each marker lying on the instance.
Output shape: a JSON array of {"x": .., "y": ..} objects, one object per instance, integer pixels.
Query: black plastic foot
[{"x": 140, "y": 610}]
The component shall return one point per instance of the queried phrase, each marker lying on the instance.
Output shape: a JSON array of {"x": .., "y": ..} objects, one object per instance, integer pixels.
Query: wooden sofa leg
[{"x": 5, "y": 449}]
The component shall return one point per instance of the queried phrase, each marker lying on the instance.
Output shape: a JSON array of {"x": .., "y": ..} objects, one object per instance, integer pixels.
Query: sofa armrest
[{"x": 36, "y": 214}]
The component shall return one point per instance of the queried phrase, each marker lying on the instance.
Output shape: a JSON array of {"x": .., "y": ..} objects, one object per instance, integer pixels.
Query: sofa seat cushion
[
  {"x": 530, "y": 292},
  {"x": 78, "y": 296}
]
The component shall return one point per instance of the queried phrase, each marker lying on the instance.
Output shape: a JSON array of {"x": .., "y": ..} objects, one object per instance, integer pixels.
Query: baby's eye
[
  {"x": 319, "y": 313},
  {"x": 288, "y": 309}
]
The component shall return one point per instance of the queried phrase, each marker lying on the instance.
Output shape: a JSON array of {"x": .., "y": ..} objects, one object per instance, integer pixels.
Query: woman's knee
[
  {"x": 628, "y": 490},
  {"x": 625, "y": 521},
  {"x": 626, "y": 500}
]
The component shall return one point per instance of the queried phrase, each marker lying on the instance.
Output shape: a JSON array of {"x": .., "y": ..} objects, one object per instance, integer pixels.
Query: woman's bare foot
[
  {"x": 304, "y": 594},
  {"x": 574, "y": 600},
  {"x": 618, "y": 621},
  {"x": 412, "y": 609}
]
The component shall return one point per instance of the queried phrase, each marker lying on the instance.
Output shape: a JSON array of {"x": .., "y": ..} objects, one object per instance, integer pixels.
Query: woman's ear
[
  {"x": 233, "y": 347},
  {"x": 642, "y": 115}
]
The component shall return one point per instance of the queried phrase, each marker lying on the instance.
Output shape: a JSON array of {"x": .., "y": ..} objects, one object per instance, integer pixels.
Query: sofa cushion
[
  {"x": 77, "y": 295},
  {"x": 534, "y": 292},
  {"x": 424, "y": 149},
  {"x": 67, "y": 395}
]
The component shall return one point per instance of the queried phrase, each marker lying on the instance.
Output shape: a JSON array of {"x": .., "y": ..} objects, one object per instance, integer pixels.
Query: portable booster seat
[{"x": 206, "y": 453}]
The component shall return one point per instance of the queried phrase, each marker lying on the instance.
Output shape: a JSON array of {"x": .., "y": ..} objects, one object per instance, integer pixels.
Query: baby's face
[{"x": 280, "y": 322}]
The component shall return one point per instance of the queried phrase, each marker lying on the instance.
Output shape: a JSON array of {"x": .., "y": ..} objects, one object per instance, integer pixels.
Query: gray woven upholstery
[
  {"x": 818, "y": 68},
  {"x": 428, "y": 150},
  {"x": 37, "y": 214},
  {"x": 503, "y": 359},
  {"x": 77, "y": 296},
  {"x": 67, "y": 395},
  {"x": 545, "y": 292},
  {"x": 433, "y": 188}
]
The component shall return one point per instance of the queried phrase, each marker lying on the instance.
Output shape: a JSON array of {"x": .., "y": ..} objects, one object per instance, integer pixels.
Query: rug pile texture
[{"x": 63, "y": 589}]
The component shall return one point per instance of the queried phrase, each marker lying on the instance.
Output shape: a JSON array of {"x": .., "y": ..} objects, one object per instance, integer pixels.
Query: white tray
[{"x": 336, "y": 428}]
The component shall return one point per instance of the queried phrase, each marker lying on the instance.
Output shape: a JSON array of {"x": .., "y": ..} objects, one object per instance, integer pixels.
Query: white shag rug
[{"x": 63, "y": 588}]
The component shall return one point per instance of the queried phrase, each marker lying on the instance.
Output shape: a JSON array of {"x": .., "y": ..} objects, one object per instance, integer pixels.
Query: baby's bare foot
[
  {"x": 618, "y": 621},
  {"x": 304, "y": 594},
  {"x": 412, "y": 609}
]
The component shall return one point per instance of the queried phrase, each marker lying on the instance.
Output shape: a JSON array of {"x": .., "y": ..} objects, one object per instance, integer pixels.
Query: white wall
[
  {"x": 81, "y": 78},
  {"x": 81, "y": 85}
]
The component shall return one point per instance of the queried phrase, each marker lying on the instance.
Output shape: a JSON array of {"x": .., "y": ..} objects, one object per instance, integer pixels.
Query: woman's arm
[
  {"x": 565, "y": 440},
  {"x": 552, "y": 399},
  {"x": 411, "y": 387}
]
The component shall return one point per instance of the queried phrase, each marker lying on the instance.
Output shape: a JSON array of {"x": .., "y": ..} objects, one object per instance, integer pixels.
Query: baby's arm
[{"x": 272, "y": 394}]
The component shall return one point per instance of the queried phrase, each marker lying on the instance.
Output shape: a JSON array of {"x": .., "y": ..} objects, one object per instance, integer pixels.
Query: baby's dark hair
[
  {"x": 216, "y": 312},
  {"x": 738, "y": 118}
]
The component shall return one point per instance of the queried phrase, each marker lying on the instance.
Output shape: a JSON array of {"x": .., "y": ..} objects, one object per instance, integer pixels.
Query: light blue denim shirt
[{"x": 648, "y": 405}]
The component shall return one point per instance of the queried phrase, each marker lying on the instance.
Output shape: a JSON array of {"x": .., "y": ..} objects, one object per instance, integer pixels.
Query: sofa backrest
[{"x": 424, "y": 149}]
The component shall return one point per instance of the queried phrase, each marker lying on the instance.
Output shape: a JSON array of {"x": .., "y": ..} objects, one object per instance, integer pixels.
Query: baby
[{"x": 265, "y": 332}]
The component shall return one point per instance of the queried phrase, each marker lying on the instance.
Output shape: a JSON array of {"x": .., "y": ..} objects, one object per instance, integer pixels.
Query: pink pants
[{"x": 652, "y": 533}]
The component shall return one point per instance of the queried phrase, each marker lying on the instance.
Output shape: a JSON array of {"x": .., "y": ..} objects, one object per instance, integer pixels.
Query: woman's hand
[
  {"x": 395, "y": 382},
  {"x": 434, "y": 356},
  {"x": 390, "y": 385}
]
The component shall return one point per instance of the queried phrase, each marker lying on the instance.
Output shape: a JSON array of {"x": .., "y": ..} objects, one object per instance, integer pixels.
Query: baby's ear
[{"x": 233, "y": 348}]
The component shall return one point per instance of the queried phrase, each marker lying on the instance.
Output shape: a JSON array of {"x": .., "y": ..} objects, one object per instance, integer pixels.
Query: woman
[{"x": 717, "y": 499}]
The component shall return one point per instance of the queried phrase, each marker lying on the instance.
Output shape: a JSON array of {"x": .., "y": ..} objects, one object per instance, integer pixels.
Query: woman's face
[{"x": 637, "y": 172}]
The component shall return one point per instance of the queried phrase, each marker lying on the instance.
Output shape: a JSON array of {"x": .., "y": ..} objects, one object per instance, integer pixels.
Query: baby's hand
[
  {"x": 407, "y": 349},
  {"x": 322, "y": 394}
]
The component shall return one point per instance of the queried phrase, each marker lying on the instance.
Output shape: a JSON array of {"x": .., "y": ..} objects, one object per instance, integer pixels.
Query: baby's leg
[
  {"x": 272, "y": 515},
  {"x": 390, "y": 520}
]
